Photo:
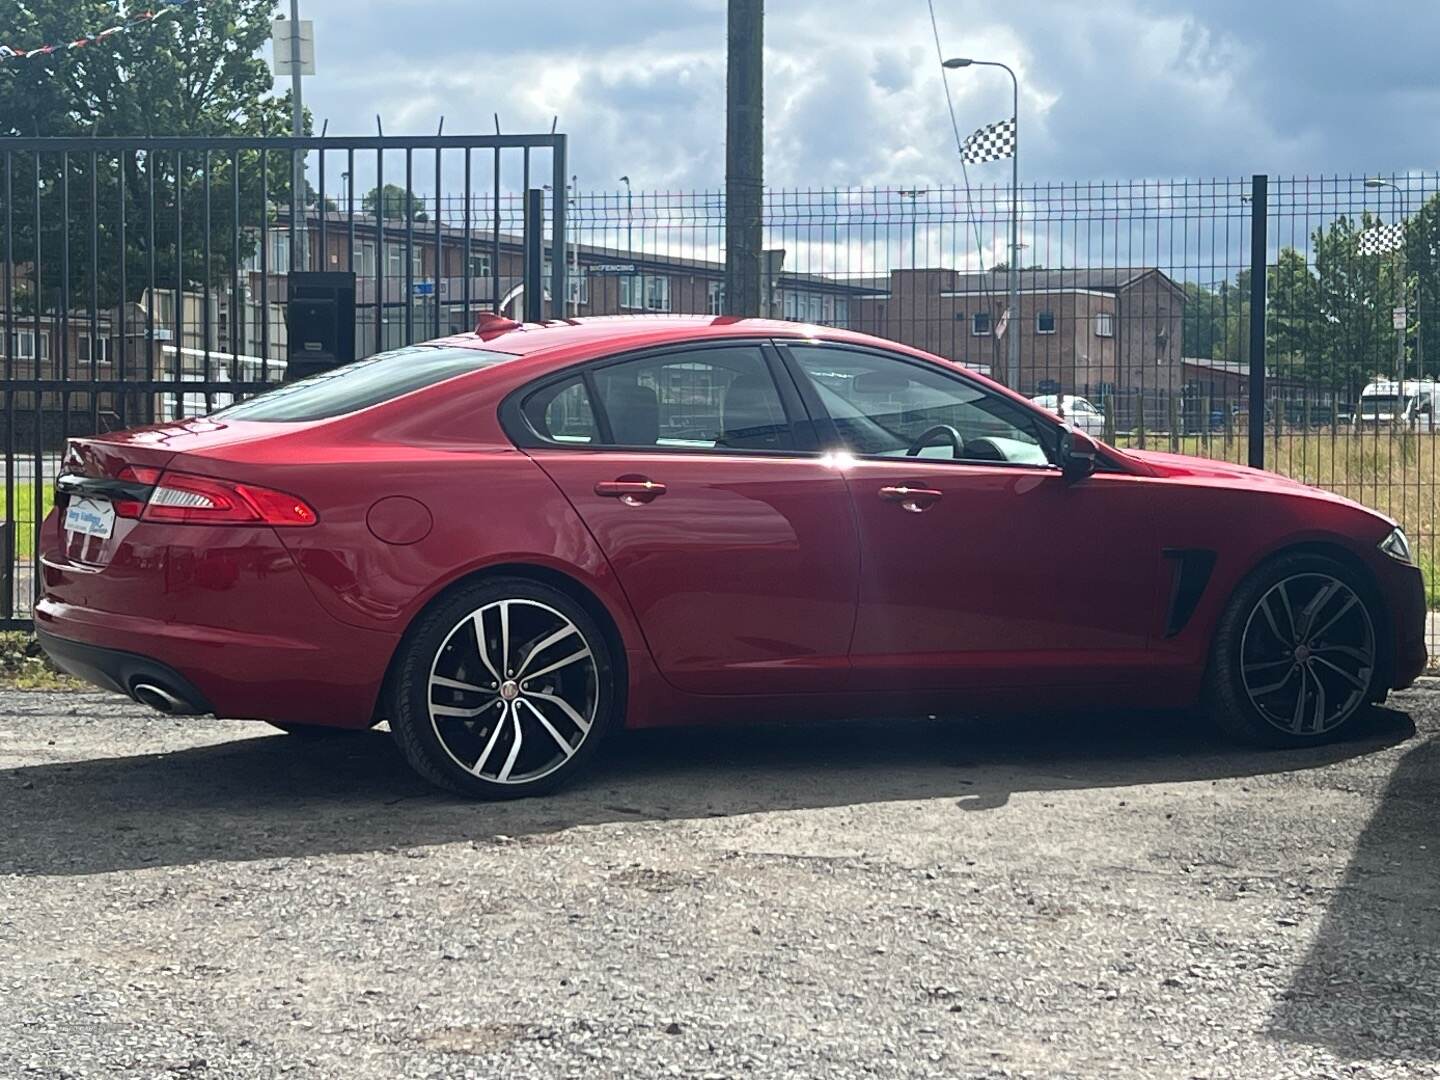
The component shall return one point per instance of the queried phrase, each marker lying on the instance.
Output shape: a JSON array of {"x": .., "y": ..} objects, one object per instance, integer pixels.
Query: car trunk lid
[{"x": 102, "y": 471}]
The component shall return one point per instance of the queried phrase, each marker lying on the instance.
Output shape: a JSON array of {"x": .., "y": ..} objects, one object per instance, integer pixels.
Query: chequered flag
[
  {"x": 993, "y": 142},
  {"x": 1380, "y": 239}
]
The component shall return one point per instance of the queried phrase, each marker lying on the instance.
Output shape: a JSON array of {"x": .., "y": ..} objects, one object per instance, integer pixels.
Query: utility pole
[
  {"x": 744, "y": 156},
  {"x": 292, "y": 58},
  {"x": 297, "y": 128}
]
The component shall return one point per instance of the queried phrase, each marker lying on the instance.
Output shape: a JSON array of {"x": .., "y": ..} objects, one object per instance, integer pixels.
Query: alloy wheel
[
  {"x": 1308, "y": 654},
  {"x": 513, "y": 691}
]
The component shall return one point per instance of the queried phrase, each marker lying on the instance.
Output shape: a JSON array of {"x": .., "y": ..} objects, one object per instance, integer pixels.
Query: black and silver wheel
[
  {"x": 1295, "y": 655},
  {"x": 505, "y": 689}
]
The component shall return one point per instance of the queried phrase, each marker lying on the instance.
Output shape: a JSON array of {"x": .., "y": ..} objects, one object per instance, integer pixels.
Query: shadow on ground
[
  {"x": 1370, "y": 985},
  {"x": 279, "y": 796}
]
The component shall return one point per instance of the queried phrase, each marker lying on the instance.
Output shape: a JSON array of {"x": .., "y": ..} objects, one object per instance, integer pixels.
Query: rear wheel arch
[{"x": 572, "y": 587}]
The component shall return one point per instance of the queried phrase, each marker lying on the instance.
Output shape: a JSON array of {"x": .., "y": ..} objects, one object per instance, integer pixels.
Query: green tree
[
  {"x": 1422, "y": 264},
  {"x": 1202, "y": 327},
  {"x": 397, "y": 202},
  {"x": 196, "y": 71},
  {"x": 1354, "y": 293}
]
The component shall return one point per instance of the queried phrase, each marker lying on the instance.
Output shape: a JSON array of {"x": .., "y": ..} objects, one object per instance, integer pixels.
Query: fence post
[
  {"x": 534, "y": 258},
  {"x": 559, "y": 246},
  {"x": 1259, "y": 219}
]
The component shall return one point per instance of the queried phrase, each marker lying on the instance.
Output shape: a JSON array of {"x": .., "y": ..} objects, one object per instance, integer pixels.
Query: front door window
[{"x": 883, "y": 406}]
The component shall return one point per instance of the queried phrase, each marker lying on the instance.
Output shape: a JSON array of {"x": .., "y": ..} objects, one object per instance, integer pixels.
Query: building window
[
  {"x": 842, "y": 311},
  {"x": 715, "y": 297},
  {"x": 577, "y": 286},
  {"x": 980, "y": 324},
  {"x": 278, "y": 242},
  {"x": 792, "y": 306},
  {"x": 647, "y": 292},
  {"x": 479, "y": 264},
  {"x": 1044, "y": 322},
  {"x": 365, "y": 259},
  {"x": 1104, "y": 324},
  {"x": 395, "y": 260},
  {"x": 83, "y": 349},
  {"x": 25, "y": 345}
]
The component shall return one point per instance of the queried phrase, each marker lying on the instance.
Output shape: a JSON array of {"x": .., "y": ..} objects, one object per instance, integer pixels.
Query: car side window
[
  {"x": 561, "y": 413},
  {"x": 883, "y": 406},
  {"x": 719, "y": 398}
]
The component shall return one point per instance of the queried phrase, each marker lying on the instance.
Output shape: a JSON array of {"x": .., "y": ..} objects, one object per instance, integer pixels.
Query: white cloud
[{"x": 1110, "y": 88}]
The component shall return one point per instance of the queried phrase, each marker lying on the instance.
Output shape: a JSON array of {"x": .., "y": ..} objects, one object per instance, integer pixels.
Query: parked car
[
  {"x": 490, "y": 542},
  {"x": 1075, "y": 411}
]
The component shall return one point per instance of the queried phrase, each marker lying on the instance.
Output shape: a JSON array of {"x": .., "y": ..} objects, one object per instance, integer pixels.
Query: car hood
[{"x": 1226, "y": 474}]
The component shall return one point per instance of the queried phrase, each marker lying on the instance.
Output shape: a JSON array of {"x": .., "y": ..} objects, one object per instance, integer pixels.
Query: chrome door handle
[
  {"x": 913, "y": 499},
  {"x": 631, "y": 492}
]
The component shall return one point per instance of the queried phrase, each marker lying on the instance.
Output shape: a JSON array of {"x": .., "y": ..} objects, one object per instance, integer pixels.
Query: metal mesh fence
[{"x": 1129, "y": 308}]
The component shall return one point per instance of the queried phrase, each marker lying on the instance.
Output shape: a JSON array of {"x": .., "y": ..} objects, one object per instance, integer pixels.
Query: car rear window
[{"x": 364, "y": 383}]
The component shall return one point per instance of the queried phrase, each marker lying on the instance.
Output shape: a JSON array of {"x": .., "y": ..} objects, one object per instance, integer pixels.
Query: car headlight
[{"x": 1397, "y": 546}]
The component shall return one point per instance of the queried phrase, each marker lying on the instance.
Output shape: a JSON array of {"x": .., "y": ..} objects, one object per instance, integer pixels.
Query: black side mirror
[{"x": 1077, "y": 455}]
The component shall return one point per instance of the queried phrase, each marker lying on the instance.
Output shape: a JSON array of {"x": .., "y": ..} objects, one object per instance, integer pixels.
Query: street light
[
  {"x": 629, "y": 215},
  {"x": 1013, "y": 361},
  {"x": 913, "y": 194},
  {"x": 1403, "y": 197}
]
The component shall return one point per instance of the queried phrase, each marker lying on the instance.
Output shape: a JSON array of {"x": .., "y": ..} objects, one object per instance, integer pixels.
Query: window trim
[
  {"x": 989, "y": 324},
  {"x": 518, "y": 429},
  {"x": 1054, "y": 323},
  {"x": 832, "y": 442},
  {"x": 1109, "y": 317}
]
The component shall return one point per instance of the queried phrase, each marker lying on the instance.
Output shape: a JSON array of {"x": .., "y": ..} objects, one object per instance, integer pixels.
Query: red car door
[
  {"x": 735, "y": 545},
  {"x": 980, "y": 564}
]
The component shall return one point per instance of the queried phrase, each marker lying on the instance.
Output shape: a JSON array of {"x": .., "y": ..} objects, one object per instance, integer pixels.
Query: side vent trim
[{"x": 1192, "y": 569}]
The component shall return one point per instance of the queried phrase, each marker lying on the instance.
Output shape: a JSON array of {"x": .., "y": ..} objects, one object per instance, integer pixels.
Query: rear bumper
[
  {"x": 121, "y": 671},
  {"x": 332, "y": 679}
]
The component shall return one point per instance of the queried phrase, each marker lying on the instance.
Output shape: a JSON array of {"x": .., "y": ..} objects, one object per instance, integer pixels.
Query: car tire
[
  {"x": 504, "y": 689},
  {"x": 1295, "y": 656}
]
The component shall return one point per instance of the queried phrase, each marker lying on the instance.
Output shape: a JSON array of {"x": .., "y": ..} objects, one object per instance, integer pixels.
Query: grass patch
[
  {"x": 22, "y": 513},
  {"x": 24, "y": 666}
]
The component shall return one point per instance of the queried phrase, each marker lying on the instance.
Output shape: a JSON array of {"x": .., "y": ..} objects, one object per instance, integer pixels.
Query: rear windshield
[{"x": 364, "y": 383}]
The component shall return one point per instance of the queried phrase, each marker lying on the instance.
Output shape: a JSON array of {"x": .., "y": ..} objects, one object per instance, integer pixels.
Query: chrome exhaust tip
[{"x": 160, "y": 699}]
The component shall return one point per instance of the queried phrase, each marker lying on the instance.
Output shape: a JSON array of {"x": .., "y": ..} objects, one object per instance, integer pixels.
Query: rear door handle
[
  {"x": 914, "y": 499},
  {"x": 631, "y": 492}
]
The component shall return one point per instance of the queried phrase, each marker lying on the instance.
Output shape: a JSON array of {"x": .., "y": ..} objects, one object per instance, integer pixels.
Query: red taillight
[
  {"x": 135, "y": 474},
  {"x": 203, "y": 500}
]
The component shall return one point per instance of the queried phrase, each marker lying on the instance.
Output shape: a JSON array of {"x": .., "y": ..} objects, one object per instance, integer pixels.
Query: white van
[{"x": 1386, "y": 403}]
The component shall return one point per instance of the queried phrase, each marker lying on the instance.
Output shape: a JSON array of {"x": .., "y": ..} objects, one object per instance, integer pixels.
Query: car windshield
[{"x": 367, "y": 382}]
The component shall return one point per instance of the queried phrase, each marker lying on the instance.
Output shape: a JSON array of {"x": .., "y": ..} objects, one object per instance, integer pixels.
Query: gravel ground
[{"x": 1048, "y": 898}]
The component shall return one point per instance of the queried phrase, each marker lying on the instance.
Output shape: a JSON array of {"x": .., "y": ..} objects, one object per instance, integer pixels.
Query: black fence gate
[{"x": 145, "y": 279}]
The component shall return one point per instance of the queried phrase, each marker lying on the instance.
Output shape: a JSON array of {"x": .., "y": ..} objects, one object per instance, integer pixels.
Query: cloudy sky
[{"x": 1109, "y": 88}]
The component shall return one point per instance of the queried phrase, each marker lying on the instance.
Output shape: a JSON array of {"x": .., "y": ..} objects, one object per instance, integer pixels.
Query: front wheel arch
[
  {"x": 1339, "y": 552},
  {"x": 1225, "y": 694}
]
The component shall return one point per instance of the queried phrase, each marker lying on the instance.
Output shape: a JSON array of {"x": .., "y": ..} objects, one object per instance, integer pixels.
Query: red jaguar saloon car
[{"x": 506, "y": 544}]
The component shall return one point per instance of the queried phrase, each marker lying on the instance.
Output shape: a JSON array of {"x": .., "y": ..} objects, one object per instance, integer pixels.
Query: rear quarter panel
[{"x": 486, "y": 505}]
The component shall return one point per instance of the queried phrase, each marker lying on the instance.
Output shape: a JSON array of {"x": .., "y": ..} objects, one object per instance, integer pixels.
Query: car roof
[{"x": 634, "y": 331}]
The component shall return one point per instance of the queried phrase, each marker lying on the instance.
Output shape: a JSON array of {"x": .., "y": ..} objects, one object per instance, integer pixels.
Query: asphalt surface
[{"x": 1054, "y": 897}]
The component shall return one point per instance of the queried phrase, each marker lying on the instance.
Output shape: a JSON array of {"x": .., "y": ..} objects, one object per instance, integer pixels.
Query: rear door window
[
  {"x": 717, "y": 398},
  {"x": 364, "y": 383}
]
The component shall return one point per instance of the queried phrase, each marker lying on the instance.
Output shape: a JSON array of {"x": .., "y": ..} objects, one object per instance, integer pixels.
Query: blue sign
[{"x": 423, "y": 288}]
